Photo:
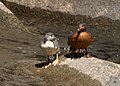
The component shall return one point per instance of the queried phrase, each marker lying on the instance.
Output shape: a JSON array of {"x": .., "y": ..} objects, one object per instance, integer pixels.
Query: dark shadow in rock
[
  {"x": 74, "y": 55},
  {"x": 40, "y": 65},
  {"x": 94, "y": 55},
  {"x": 45, "y": 60}
]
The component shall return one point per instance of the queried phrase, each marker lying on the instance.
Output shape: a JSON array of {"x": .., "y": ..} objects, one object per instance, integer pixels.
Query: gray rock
[
  {"x": 10, "y": 24},
  {"x": 3, "y": 7},
  {"x": 18, "y": 60},
  {"x": 107, "y": 73},
  {"x": 14, "y": 39},
  {"x": 93, "y": 8}
]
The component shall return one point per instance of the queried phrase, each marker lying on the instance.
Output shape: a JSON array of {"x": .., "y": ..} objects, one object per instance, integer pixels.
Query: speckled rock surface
[
  {"x": 20, "y": 53},
  {"x": 94, "y": 8},
  {"x": 107, "y": 73},
  {"x": 3, "y": 7}
]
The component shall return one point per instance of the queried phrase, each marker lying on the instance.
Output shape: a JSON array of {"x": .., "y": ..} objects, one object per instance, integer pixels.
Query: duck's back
[{"x": 80, "y": 41}]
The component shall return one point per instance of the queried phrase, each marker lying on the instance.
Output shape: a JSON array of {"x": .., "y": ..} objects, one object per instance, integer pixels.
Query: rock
[
  {"x": 13, "y": 31},
  {"x": 20, "y": 53},
  {"x": 93, "y": 8},
  {"x": 107, "y": 73},
  {"x": 3, "y": 7},
  {"x": 14, "y": 39}
]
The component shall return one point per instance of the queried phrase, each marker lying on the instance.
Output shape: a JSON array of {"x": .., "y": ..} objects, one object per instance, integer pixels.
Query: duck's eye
[
  {"x": 44, "y": 41},
  {"x": 53, "y": 39}
]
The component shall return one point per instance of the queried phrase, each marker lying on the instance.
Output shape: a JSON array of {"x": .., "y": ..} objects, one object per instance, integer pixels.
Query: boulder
[
  {"x": 107, "y": 73},
  {"x": 93, "y": 8},
  {"x": 21, "y": 57}
]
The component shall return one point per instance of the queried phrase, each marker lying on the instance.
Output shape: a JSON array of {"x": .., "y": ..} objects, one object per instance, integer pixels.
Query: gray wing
[
  {"x": 56, "y": 43},
  {"x": 43, "y": 40}
]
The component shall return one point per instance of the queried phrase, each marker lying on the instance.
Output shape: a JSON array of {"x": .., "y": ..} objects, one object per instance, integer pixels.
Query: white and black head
[
  {"x": 50, "y": 37},
  {"x": 82, "y": 26}
]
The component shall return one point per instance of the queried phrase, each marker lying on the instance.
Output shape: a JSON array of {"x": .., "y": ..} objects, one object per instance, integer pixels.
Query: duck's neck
[
  {"x": 78, "y": 33},
  {"x": 82, "y": 30}
]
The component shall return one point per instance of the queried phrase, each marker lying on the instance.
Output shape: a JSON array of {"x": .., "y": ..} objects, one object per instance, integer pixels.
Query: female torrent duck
[{"x": 79, "y": 40}]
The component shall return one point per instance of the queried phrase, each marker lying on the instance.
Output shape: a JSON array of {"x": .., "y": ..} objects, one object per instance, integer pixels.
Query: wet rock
[
  {"x": 14, "y": 34},
  {"x": 13, "y": 40},
  {"x": 114, "y": 59},
  {"x": 107, "y": 73},
  {"x": 94, "y": 8}
]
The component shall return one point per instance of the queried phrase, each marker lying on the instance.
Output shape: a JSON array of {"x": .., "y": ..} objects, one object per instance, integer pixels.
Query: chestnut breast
[{"x": 80, "y": 40}]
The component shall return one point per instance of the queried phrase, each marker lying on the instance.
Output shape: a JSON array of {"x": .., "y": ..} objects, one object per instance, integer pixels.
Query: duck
[
  {"x": 80, "y": 39},
  {"x": 50, "y": 47}
]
